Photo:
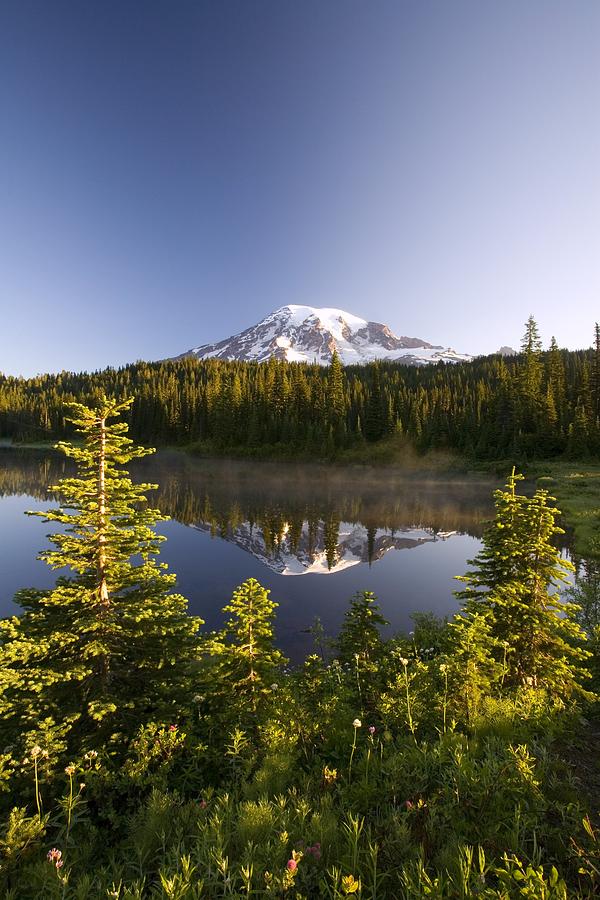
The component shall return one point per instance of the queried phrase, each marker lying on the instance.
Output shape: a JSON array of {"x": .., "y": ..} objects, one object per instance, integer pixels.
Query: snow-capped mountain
[
  {"x": 309, "y": 557},
  {"x": 309, "y": 334}
]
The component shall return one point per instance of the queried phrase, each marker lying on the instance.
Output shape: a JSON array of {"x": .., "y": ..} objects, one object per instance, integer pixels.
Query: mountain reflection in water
[
  {"x": 295, "y": 518},
  {"x": 309, "y": 519},
  {"x": 232, "y": 520}
]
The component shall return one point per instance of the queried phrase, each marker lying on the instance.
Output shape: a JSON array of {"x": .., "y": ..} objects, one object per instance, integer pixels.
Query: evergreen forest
[{"x": 537, "y": 404}]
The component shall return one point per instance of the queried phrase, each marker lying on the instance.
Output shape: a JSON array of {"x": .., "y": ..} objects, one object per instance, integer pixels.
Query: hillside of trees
[{"x": 540, "y": 403}]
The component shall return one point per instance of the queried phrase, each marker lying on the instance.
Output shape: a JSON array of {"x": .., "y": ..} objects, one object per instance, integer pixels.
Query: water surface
[{"x": 314, "y": 535}]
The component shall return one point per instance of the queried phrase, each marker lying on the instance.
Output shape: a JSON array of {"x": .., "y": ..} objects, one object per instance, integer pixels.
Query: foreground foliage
[
  {"x": 110, "y": 645},
  {"x": 447, "y": 763}
]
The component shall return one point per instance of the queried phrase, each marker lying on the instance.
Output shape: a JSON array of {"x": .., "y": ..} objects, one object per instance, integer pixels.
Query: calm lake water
[{"x": 314, "y": 535}]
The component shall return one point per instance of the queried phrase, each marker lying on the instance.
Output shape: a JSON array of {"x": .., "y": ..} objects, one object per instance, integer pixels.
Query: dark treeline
[{"x": 538, "y": 403}]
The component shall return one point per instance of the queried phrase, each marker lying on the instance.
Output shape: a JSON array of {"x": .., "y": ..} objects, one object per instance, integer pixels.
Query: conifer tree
[
  {"x": 531, "y": 374},
  {"x": 595, "y": 377},
  {"x": 359, "y": 635},
  {"x": 335, "y": 390},
  {"x": 247, "y": 659},
  {"x": 578, "y": 446},
  {"x": 374, "y": 426},
  {"x": 109, "y": 647},
  {"x": 515, "y": 584},
  {"x": 556, "y": 374}
]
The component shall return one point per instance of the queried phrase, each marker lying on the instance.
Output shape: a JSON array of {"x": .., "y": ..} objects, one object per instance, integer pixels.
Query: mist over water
[{"x": 312, "y": 534}]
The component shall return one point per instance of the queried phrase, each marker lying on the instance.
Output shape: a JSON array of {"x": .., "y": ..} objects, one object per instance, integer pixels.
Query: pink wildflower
[
  {"x": 54, "y": 856},
  {"x": 292, "y": 865},
  {"x": 172, "y": 727},
  {"x": 409, "y": 804},
  {"x": 372, "y": 729}
]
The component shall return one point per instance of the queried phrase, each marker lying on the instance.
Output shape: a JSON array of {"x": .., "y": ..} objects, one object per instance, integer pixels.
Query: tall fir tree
[
  {"x": 109, "y": 647},
  {"x": 595, "y": 376},
  {"x": 515, "y": 583},
  {"x": 531, "y": 375},
  {"x": 335, "y": 396},
  {"x": 375, "y": 420},
  {"x": 247, "y": 660}
]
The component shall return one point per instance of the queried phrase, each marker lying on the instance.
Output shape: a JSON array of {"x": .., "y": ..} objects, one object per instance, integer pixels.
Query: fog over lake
[{"x": 312, "y": 534}]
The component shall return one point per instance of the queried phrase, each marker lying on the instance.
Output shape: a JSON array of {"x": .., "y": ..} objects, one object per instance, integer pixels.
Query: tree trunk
[{"x": 102, "y": 583}]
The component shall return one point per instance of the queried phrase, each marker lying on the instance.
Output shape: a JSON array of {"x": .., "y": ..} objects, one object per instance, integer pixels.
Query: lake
[{"x": 312, "y": 534}]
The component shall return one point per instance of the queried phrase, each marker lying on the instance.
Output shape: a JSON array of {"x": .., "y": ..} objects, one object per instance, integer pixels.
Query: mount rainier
[{"x": 310, "y": 334}]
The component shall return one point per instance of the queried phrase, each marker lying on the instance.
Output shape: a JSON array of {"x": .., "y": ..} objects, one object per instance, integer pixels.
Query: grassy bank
[
  {"x": 576, "y": 487},
  {"x": 394, "y": 451}
]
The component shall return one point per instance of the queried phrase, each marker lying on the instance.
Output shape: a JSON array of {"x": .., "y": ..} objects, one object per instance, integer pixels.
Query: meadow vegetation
[{"x": 144, "y": 758}]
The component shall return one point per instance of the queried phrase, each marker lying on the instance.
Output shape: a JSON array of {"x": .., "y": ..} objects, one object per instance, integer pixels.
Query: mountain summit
[{"x": 309, "y": 334}]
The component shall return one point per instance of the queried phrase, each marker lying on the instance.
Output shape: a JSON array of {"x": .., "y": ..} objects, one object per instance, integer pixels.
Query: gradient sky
[{"x": 170, "y": 172}]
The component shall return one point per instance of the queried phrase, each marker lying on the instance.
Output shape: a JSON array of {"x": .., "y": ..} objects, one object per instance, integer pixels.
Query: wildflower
[
  {"x": 409, "y": 804},
  {"x": 36, "y": 751},
  {"x": 197, "y": 698},
  {"x": 443, "y": 668},
  {"x": 329, "y": 775},
  {"x": 82, "y": 786},
  {"x": 55, "y": 856},
  {"x": 403, "y": 661},
  {"x": 349, "y": 884},
  {"x": 274, "y": 687},
  {"x": 172, "y": 727},
  {"x": 357, "y": 723},
  {"x": 292, "y": 865},
  {"x": 372, "y": 730},
  {"x": 70, "y": 769},
  {"x": 203, "y": 804}
]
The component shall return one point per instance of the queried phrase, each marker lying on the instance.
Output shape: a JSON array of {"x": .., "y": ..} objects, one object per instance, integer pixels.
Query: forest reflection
[{"x": 297, "y": 518}]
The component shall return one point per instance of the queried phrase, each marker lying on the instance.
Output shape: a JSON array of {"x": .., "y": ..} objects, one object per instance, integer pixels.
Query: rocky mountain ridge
[{"x": 311, "y": 334}]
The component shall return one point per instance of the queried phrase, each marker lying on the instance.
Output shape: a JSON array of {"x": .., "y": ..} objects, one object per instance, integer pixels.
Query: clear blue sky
[{"x": 172, "y": 171}]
